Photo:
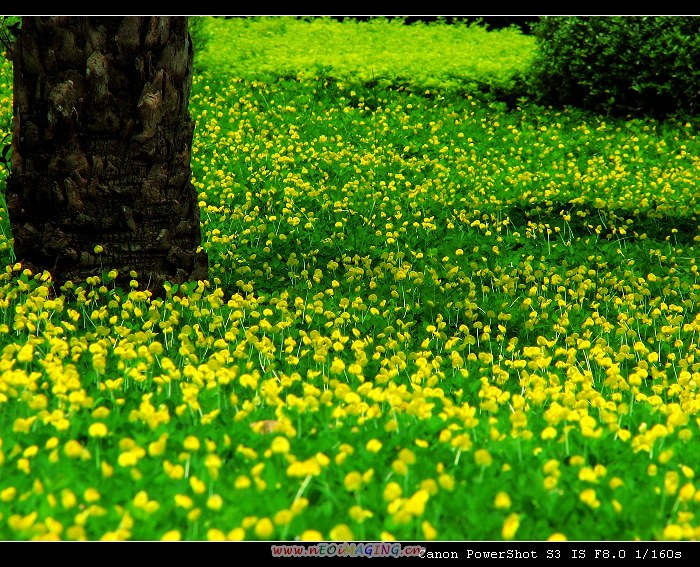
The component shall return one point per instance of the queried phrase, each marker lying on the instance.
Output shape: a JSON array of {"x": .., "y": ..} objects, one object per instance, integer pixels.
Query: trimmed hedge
[{"x": 619, "y": 64}]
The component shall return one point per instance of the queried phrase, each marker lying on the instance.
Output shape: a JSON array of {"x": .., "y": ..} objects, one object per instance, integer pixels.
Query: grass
[{"x": 429, "y": 315}]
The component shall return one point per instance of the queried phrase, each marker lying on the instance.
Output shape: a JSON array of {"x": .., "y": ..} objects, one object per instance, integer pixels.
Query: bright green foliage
[
  {"x": 620, "y": 64},
  {"x": 379, "y": 51}
]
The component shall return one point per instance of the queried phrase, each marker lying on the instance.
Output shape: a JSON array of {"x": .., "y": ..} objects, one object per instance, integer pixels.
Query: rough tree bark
[{"x": 101, "y": 150}]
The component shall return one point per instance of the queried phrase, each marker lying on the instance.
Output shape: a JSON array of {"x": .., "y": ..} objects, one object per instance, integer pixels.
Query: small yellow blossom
[
  {"x": 429, "y": 532},
  {"x": 673, "y": 532},
  {"x": 264, "y": 528},
  {"x": 392, "y": 491},
  {"x": 73, "y": 449},
  {"x": 236, "y": 534},
  {"x": 198, "y": 486},
  {"x": 341, "y": 532},
  {"x": 214, "y": 534},
  {"x": 510, "y": 526},
  {"x": 358, "y": 514},
  {"x": 97, "y": 430},
  {"x": 215, "y": 502},
  {"x": 353, "y": 481},
  {"x": 502, "y": 501},
  {"x": 483, "y": 458},
  {"x": 311, "y": 535},
  {"x": 280, "y": 445},
  {"x": 191, "y": 443}
]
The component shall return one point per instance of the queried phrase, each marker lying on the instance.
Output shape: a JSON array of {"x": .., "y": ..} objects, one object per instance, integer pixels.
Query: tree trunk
[{"x": 100, "y": 176}]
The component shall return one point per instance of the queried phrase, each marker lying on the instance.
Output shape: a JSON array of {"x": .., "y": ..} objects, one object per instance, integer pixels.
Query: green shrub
[
  {"x": 464, "y": 56},
  {"x": 619, "y": 64}
]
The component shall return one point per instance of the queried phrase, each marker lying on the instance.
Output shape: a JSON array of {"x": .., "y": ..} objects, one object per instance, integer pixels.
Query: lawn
[{"x": 432, "y": 313}]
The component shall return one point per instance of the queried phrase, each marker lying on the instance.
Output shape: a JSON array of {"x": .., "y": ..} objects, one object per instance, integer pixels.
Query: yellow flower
[
  {"x": 311, "y": 535},
  {"x": 557, "y": 537},
  {"x": 577, "y": 461},
  {"x": 191, "y": 443},
  {"x": 374, "y": 445},
  {"x": 430, "y": 486},
  {"x": 299, "y": 505},
  {"x": 236, "y": 534},
  {"x": 416, "y": 504},
  {"x": 31, "y": 451},
  {"x": 183, "y": 501},
  {"x": 157, "y": 448},
  {"x": 73, "y": 449},
  {"x": 280, "y": 445},
  {"x": 26, "y": 353},
  {"x": 215, "y": 502},
  {"x": 665, "y": 456},
  {"x": 100, "y": 413},
  {"x": 264, "y": 528},
  {"x": 358, "y": 514},
  {"x": 342, "y": 532},
  {"x": 198, "y": 487},
  {"x": 588, "y": 496},
  {"x": 624, "y": 434},
  {"x": 687, "y": 492},
  {"x": 483, "y": 458},
  {"x": 502, "y": 501},
  {"x": 353, "y": 481},
  {"x": 671, "y": 481},
  {"x": 127, "y": 459},
  {"x": 8, "y": 494},
  {"x": 107, "y": 469},
  {"x": 91, "y": 495},
  {"x": 213, "y": 464},
  {"x": 510, "y": 526},
  {"x": 283, "y": 517},
  {"x": 172, "y": 535},
  {"x": 399, "y": 467},
  {"x": 215, "y": 535},
  {"x": 241, "y": 482},
  {"x": 173, "y": 471},
  {"x": 673, "y": 532},
  {"x": 548, "y": 433},
  {"x": 407, "y": 456},
  {"x": 446, "y": 481},
  {"x": 76, "y": 533},
  {"x": 141, "y": 499},
  {"x": 68, "y": 498},
  {"x": 587, "y": 474},
  {"x": 429, "y": 531},
  {"x": 392, "y": 491},
  {"x": 97, "y": 430},
  {"x": 337, "y": 366}
]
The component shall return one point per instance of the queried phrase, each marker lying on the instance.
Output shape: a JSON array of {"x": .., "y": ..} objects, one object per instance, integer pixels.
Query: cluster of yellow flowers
[
  {"x": 250, "y": 359},
  {"x": 346, "y": 372}
]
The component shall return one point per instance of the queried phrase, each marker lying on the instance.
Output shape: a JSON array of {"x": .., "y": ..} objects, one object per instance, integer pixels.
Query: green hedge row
[{"x": 619, "y": 64}]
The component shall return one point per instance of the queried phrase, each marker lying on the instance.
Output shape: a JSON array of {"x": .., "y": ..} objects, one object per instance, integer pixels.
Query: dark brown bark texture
[{"x": 101, "y": 149}]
